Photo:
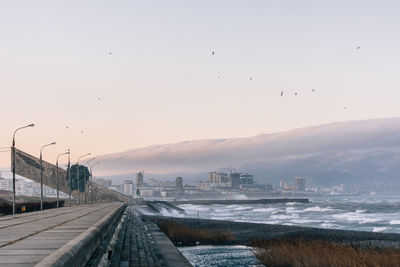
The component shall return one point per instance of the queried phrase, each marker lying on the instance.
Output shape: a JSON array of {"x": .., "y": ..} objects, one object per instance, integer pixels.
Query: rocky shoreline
[{"x": 245, "y": 233}]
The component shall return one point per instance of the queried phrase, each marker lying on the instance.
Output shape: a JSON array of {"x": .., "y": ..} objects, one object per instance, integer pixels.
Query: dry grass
[
  {"x": 310, "y": 253},
  {"x": 184, "y": 235}
]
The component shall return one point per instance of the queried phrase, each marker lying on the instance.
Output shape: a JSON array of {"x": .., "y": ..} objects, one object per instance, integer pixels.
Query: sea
[{"x": 360, "y": 213}]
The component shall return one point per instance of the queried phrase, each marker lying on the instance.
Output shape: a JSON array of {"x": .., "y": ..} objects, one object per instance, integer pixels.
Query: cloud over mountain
[{"x": 341, "y": 151}]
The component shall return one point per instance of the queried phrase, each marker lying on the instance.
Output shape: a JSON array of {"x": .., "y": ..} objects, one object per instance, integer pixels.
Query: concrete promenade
[
  {"x": 54, "y": 237},
  {"x": 143, "y": 244}
]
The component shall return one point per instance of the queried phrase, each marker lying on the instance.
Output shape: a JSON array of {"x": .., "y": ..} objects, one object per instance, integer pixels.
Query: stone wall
[{"x": 28, "y": 166}]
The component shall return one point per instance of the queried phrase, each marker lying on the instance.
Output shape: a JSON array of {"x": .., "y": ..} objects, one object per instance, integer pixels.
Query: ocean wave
[
  {"x": 369, "y": 220},
  {"x": 285, "y": 217},
  {"x": 265, "y": 210},
  {"x": 171, "y": 213},
  {"x": 380, "y": 229},
  {"x": 242, "y": 208},
  {"x": 394, "y": 222},
  {"x": 290, "y": 209},
  {"x": 301, "y": 221},
  {"x": 317, "y": 208},
  {"x": 355, "y": 217},
  {"x": 193, "y": 207},
  {"x": 328, "y": 225},
  {"x": 361, "y": 211}
]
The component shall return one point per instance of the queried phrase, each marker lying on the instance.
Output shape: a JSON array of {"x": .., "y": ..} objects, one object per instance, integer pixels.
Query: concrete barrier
[{"x": 79, "y": 250}]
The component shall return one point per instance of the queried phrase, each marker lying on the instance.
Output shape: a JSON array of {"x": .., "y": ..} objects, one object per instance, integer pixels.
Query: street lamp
[
  {"x": 84, "y": 176},
  {"x": 77, "y": 176},
  {"x": 91, "y": 181},
  {"x": 58, "y": 183},
  {"x": 13, "y": 160},
  {"x": 41, "y": 174},
  {"x": 69, "y": 176}
]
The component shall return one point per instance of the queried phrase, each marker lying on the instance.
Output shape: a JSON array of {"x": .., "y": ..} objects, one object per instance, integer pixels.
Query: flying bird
[
  {"x": 281, "y": 93},
  {"x": 219, "y": 77},
  {"x": 313, "y": 90},
  {"x": 212, "y": 53},
  {"x": 98, "y": 98},
  {"x": 295, "y": 93},
  {"x": 251, "y": 78},
  {"x": 358, "y": 47},
  {"x": 109, "y": 53},
  {"x": 66, "y": 127},
  {"x": 81, "y": 131}
]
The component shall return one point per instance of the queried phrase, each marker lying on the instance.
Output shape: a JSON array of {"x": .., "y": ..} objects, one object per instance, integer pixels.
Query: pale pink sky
[{"x": 161, "y": 84}]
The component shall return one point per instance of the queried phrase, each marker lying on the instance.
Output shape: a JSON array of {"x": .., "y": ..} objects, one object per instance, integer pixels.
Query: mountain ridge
[{"x": 326, "y": 148}]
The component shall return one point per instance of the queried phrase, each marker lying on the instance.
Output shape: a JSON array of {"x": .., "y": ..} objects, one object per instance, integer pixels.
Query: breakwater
[{"x": 239, "y": 201}]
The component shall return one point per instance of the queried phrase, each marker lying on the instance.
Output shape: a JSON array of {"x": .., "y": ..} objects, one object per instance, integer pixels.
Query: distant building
[
  {"x": 167, "y": 193},
  {"x": 299, "y": 184},
  {"x": 128, "y": 187},
  {"x": 218, "y": 177},
  {"x": 246, "y": 178},
  {"x": 235, "y": 180},
  {"x": 269, "y": 187},
  {"x": 253, "y": 187},
  {"x": 148, "y": 191},
  {"x": 139, "y": 179},
  {"x": 179, "y": 185},
  {"x": 190, "y": 190}
]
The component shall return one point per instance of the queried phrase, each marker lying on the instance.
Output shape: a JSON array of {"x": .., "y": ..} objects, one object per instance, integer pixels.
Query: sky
[{"x": 128, "y": 74}]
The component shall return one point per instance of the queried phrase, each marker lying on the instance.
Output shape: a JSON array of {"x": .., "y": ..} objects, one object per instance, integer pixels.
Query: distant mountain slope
[{"x": 326, "y": 154}]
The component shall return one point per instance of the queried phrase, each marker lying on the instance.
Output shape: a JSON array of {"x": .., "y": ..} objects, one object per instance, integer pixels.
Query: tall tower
[
  {"x": 300, "y": 183},
  {"x": 139, "y": 179},
  {"x": 179, "y": 185}
]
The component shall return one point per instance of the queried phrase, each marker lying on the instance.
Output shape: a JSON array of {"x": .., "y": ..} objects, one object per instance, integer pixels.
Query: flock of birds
[
  {"x": 219, "y": 77},
  {"x": 295, "y": 93}
]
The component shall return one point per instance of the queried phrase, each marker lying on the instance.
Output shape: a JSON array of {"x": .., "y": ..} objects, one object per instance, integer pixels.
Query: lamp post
[
  {"x": 41, "y": 174},
  {"x": 77, "y": 176},
  {"x": 91, "y": 181},
  {"x": 13, "y": 160},
  {"x": 69, "y": 176},
  {"x": 84, "y": 176},
  {"x": 58, "y": 183}
]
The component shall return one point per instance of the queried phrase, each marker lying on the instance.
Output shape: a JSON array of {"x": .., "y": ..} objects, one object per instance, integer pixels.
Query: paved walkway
[
  {"x": 144, "y": 245},
  {"x": 26, "y": 239}
]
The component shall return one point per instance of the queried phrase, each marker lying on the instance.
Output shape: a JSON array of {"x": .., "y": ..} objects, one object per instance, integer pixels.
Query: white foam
[
  {"x": 394, "y": 222},
  {"x": 290, "y": 209},
  {"x": 301, "y": 221},
  {"x": 328, "y": 225},
  {"x": 317, "y": 208},
  {"x": 265, "y": 210},
  {"x": 349, "y": 216},
  {"x": 368, "y": 220},
  {"x": 361, "y": 211},
  {"x": 285, "y": 217},
  {"x": 171, "y": 213},
  {"x": 380, "y": 229}
]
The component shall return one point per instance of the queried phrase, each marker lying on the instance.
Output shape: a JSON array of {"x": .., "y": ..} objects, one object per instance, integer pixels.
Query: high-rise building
[
  {"x": 128, "y": 187},
  {"x": 139, "y": 179},
  {"x": 300, "y": 184},
  {"x": 235, "y": 180},
  {"x": 246, "y": 178},
  {"x": 179, "y": 185},
  {"x": 218, "y": 177}
]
